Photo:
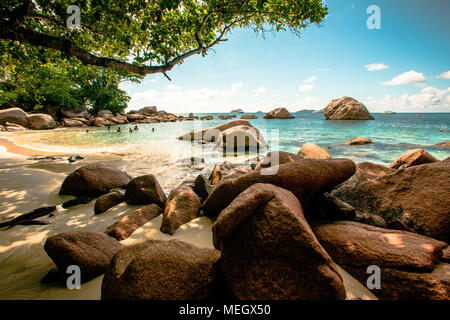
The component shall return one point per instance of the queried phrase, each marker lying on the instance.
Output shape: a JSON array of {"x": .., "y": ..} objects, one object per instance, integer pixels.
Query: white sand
[{"x": 26, "y": 185}]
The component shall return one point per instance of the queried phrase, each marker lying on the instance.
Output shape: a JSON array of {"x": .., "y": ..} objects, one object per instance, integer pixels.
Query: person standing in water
[
  {"x": 153, "y": 129},
  {"x": 118, "y": 130},
  {"x": 109, "y": 129},
  {"x": 131, "y": 130},
  {"x": 136, "y": 128}
]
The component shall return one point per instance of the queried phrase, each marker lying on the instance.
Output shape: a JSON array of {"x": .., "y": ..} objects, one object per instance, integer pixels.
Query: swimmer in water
[
  {"x": 109, "y": 129},
  {"x": 131, "y": 130},
  {"x": 153, "y": 129},
  {"x": 118, "y": 130},
  {"x": 136, "y": 128}
]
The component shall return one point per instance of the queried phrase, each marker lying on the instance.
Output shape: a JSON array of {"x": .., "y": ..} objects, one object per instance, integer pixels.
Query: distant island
[
  {"x": 305, "y": 111},
  {"x": 237, "y": 111},
  {"x": 389, "y": 112}
]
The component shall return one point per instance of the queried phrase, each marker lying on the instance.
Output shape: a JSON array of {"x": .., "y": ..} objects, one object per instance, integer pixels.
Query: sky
[{"x": 403, "y": 66}]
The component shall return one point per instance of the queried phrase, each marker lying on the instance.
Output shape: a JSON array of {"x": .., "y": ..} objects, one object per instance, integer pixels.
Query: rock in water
[
  {"x": 109, "y": 200},
  {"x": 304, "y": 178},
  {"x": 346, "y": 108},
  {"x": 15, "y": 116},
  {"x": 91, "y": 251},
  {"x": 407, "y": 260},
  {"x": 358, "y": 141},
  {"x": 182, "y": 206},
  {"x": 94, "y": 180},
  {"x": 241, "y": 138},
  {"x": 279, "y": 113},
  {"x": 129, "y": 223},
  {"x": 41, "y": 121},
  {"x": 311, "y": 150},
  {"x": 412, "y": 158},
  {"x": 416, "y": 196},
  {"x": 249, "y": 116},
  {"x": 269, "y": 251},
  {"x": 211, "y": 134},
  {"x": 161, "y": 270},
  {"x": 145, "y": 190}
]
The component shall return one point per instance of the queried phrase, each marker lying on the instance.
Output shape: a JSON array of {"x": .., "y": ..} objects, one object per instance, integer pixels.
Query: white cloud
[
  {"x": 405, "y": 78},
  {"x": 236, "y": 86},
  {"x": 306, "y": 87},
  {"x": 310, "y": 79},
  {"x": 260, "y": 90},
  {"x": 173, "y": 87},
  {"x": 428, "y": 99},
  {"x": 376, "y": 66},
  {"x": 445, "y": 75}
]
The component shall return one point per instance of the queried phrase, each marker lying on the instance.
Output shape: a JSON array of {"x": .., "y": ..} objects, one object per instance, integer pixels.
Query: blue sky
[{"x": 404, "y": 66}]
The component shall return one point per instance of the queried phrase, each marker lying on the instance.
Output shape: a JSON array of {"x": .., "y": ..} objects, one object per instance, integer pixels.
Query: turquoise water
[{"x": 161, "y": 151}]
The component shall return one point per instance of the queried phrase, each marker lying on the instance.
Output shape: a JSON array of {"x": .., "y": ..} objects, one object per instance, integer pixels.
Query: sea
[{"x": 156, "y": 149}]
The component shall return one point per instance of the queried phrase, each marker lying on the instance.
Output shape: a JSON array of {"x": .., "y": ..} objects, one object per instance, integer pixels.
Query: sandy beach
[{"x": 29, "y": 184}]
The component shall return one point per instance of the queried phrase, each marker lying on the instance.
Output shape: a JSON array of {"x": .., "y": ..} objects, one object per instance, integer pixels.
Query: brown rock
[
  {"x": 279, "y": 113},
  {"x": 206, "y": 118},
  {"x": 357, "y": 244},
  {"x": 358, "y": 141},
  {"x": 94, "y": 180},
  {"x": 412, "y": 158},
  {"x": 14, "y": 115},
  {"x": 211, "y": 134},
  {"x": 278, "y": 256},
  {"x": 74, "y": 113},
  {"x": 145, "y": 190},
  {"x": 182, "y": 206},
  {"x": 249, "y": 116},
  {"x": 91, "y": 251},
  {"x": 241, "y": 138},
  {"x": 135, "y": 116},
  {"x": 202, "y": 187},
  {"x": 366, "y": 171},
  {"x": 161, "y": 270},
  {"x": 445, "y": 144},
  {"x": 446, "y": 254},
  {"x": 226, "y": 169},
  {"x": 311, "y": 150},
  {"x": 275, "y": 158},
  {"x": 416, "y": 196},
  {"x": 406, "y": 285},
  {"x": 41, "y": 121},
  {"x": 73, "y": 123},
  {"x": 304, "y": 178},
  {"x": 107, "y": 201},
  {"x": 102, "y": 122},
  {"x": 346, "y": 108},
  {"x": 105, "y": 114},
  {"x": 129, "y": 223}
]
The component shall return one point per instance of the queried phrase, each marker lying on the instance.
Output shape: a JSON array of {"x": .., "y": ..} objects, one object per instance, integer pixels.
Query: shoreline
[{"x": 12, "y": 148}]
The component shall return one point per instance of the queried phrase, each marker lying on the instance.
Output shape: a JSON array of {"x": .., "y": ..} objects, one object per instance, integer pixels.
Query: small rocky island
[{"x": 347, "y": 108}]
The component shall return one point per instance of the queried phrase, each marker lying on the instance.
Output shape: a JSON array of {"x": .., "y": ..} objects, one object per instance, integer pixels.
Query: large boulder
[
  {"x": 367, "y": 171},
  {"x": 73, "y": 123},
  {"x": 182, "y": 206},
  {"x": 74, "y": 113},
  {"x": 202, "y": 187},
  {"x": 241, "y": 138},
  {"x": 91, "y": 251},
  {"x": 279, "y": 113},
  {"x": 407, "y": 260},
  {"x": 412, "y": 158},
  {"x": 275, "y": 158},
  {"x": 346, "y": 108},
  {"x": 416, "y": 196},
  {"x": 93, "y": 180},
  {"x": 145, "y": 190},
  {"x": 269, "y": 251},
  {"x": 105, "y": 114},
  {"x": 162, "y": 270},
  {"x": 148, "y": 111},
  {"x": 102, "y": 122},
  {"x": 41, "y": 121},
  {"x": 311, "y": 150},
  {"x": 304, "y": 178},
  {"x": 135, "y": 117},
  {"x": 109, "y": 200},
  {"x": 211, "y": 134},
  {"x": 226, "y": 170},
  {"x": 14, "y": 115},
  {"x": 129, "y": 223}
]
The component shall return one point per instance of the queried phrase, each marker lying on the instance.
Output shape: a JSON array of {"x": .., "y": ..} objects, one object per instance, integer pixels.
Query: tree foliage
[{"x": 157, "y": 34}]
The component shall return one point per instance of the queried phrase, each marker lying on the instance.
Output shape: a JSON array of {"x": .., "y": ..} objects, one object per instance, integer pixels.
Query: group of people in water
[{"x": 131, "y": 130}]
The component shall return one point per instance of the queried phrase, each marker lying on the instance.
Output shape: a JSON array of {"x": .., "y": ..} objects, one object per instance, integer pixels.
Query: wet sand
[{"x": 28, "y": 184}]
